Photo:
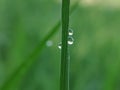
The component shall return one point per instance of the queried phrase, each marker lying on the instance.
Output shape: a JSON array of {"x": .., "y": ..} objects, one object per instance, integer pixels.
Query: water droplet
[
  {"x": 70, "y": 40},
  {"x": 49, "y": 43},
  {"x": 70, "y": 32},
  {"x": 60, "y": 45}
]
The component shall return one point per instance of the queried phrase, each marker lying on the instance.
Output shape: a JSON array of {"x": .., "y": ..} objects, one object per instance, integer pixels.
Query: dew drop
[
  {"x": 49, "y": 43},
  {"x": 60, "y": 45},
  {"x": 70, "y": 32},
  {"x": 70, "y": 40}
]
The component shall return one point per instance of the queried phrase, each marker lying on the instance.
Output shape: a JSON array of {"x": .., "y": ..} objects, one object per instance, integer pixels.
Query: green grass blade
[
  {"x": 29, "y": 62},
  {"x": 13, "y": 80},
  {"x": 64, "y": 76},
  {"x": 73, "y": 8}
]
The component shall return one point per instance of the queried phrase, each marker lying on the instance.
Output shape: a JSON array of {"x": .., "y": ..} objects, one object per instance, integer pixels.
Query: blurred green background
[{"x": 95, "y": 54}]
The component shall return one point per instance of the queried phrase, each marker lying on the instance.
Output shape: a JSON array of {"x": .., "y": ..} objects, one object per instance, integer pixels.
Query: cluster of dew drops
[{"x": 70, "y": 38}]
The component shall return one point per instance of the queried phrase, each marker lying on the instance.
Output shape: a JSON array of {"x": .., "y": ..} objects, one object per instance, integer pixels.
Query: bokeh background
[{"x": 95, "y": 54}]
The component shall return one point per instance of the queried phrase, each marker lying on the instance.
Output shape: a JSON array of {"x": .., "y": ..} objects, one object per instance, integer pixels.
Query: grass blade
[
  {"x": 13, "y": 80},
  {"x": 24, "y": 67},
  {"x": 64, "y": 76}
]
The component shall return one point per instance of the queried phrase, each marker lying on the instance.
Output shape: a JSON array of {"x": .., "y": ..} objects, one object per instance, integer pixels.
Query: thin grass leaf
[
  {"x": 64, "y": 75},
  {"x": 24, "y": 67},
  {"x": 16, "y": 77}
]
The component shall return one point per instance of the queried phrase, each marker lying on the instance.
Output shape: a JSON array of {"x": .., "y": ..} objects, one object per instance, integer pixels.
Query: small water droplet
[
  {"x": 60, "y": 45},
  {"x": 70, "y": 32},
  {"x": 70, "y": 40},
  {"x": 49, "y": 43}
]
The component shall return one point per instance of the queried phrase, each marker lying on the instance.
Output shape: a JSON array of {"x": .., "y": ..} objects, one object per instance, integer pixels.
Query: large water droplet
[
  {"x": 49, "y": 43},
  {"x": 60, "y": 45},
  {"x": 70, "y": 40},
  {"x": 70, "y": 31}
]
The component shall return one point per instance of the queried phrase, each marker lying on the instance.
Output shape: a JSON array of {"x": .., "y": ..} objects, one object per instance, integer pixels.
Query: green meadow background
[{"x": 29, "y": 61}]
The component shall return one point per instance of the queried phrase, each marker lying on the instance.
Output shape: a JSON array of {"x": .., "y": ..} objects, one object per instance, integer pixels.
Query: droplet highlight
[
  {"x": 60, "y": 45},
  {"x": 70, "y": 31},
  {"x": 70, "y": 40},
  {"x": 49, "y": 43}
]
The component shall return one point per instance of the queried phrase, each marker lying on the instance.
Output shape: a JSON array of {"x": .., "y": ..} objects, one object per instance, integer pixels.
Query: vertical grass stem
[{"x": 64, "y": 76}]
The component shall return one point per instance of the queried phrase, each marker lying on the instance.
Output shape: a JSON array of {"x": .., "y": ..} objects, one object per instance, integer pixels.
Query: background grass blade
[
  {"x": 30, "y": 61},
  {"x": 64, "y": 77},
  {"x": 15, "y": 78}
]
